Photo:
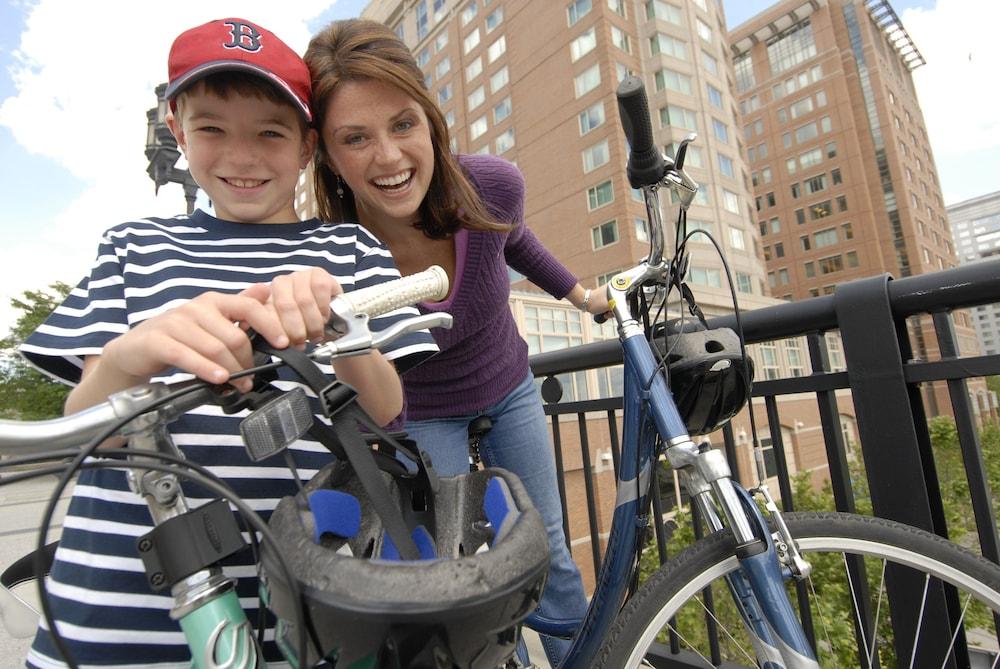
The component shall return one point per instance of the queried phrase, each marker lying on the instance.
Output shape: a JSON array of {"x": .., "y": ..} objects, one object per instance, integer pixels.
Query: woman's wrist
[{"x": 585, "y": 304}]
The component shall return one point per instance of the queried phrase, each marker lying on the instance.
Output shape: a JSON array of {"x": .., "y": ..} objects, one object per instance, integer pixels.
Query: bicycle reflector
[{"x": 272, "y": 427}]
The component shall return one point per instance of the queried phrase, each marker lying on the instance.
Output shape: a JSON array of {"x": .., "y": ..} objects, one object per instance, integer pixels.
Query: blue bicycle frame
[{"x": 650, "y": 412}]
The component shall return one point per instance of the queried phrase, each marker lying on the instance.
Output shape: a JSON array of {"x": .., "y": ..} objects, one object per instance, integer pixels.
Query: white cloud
[
  {"x": 955, "y": 89},
  {"x": 84, "y": 75}
]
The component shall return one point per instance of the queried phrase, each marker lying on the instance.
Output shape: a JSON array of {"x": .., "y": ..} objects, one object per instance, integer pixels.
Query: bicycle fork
[{"x": 757, "y": 587}]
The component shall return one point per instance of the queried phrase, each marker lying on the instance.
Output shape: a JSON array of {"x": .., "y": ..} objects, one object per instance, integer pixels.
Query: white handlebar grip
[{"x": 428, "y": 285}]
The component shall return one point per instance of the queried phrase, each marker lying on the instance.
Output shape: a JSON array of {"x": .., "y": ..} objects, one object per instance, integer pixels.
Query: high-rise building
[
  {"x": 534, "y": 81},
  {"x": 844, "y": 181},
  {"x": 975, "y": 225}
]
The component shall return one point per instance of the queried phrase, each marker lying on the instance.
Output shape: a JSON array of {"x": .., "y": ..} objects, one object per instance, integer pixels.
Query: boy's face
[{"x": 245, "y": 152}]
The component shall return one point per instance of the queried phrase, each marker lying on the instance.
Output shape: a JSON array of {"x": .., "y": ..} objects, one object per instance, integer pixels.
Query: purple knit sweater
[{"x": 482, "y": 356}]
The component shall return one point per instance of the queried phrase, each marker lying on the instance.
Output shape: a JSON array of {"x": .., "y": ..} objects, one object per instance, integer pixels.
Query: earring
[{"x": 340, "y": 187}]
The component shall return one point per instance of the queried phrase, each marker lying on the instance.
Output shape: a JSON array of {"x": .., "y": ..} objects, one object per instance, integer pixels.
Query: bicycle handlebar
[{"x": 33, "y": 437}]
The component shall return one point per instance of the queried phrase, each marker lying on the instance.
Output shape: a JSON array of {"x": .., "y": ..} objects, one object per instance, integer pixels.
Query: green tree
[{"x": 25, "y": 393}]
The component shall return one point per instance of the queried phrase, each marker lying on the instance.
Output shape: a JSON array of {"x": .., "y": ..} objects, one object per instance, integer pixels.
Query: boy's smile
[{"x": 245, "y": 152}]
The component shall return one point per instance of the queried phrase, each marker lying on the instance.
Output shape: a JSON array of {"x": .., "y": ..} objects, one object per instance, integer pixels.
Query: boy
[{"x": 162, "y": 300}]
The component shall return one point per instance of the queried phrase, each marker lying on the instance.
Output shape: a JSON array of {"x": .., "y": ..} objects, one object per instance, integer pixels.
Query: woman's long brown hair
[{"x": 359, "y": 50}]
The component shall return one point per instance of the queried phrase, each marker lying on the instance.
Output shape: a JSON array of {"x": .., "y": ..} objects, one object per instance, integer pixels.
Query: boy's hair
[
  {"x": 364, "y": 50},
  {"x": 226, "y": 83},
  {"x": 238, "y": 47}
]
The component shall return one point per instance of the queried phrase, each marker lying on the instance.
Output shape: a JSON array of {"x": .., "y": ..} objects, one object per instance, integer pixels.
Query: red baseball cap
[{"x": 238, "y": 44}]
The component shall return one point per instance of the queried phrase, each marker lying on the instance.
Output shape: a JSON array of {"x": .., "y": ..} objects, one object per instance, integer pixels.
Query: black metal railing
[{"x": 884, "y": 379}]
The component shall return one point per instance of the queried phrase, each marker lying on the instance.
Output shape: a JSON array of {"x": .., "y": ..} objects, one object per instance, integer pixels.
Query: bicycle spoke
[
  {"x": 920, "y": 620},
  {"x": 857, "y": 611},
  {"x": 725, "y": 628}
]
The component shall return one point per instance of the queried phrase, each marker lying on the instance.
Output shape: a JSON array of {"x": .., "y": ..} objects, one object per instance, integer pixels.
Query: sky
[{"x": 76, "y": 79}]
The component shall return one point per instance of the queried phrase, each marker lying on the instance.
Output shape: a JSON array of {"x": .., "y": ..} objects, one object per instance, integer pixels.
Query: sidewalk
[{"x": 21, "y": 507}]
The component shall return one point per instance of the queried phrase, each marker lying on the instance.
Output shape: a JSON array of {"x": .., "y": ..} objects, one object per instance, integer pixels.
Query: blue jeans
[{"x": 518, "y": 442}]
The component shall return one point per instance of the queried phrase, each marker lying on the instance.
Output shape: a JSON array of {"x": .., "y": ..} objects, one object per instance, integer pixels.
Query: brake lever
[{"x": 357, "y": 339}]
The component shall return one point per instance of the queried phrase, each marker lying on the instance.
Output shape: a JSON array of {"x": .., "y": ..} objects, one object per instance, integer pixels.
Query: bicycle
[{"x": 750, "y": 555}]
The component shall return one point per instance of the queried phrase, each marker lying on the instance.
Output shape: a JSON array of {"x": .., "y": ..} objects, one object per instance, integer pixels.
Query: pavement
[{"x": 21, "y": 507}]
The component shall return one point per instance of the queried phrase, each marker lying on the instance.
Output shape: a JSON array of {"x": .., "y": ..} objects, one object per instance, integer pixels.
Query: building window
[
  {"x": 793, "y": 46},
  {"x": 421, "y": 15},
  {"x": 820, "y": 210},
  {"x": 587, "y": 80},
  {"x": 665, "y": 11},
  {"x": 583, "y": 44},
  {"x": 720, "y": 130},
  {"x": 496, "y": 49},
  {"x": 474, "y": 69},
  {"x": 423, "y": 57},
  {"x": 825, "y": 238},
  {"x": 743, "y": 69},
  {"x": 441, "y": 41},
  {"x": 703, "y": 30},
  {"x": 469, "y": 12},
  {"x": 641, "y": 229},
  {"x": 736, "y": 239},
  {"x": 705, "y": 277},
  {"x": 501, "y": 110},
  {"x": 600, "y": 195},
  {"x": 835, "y": 175},
  {"x": 804, "y": 241},
  {"x": 743, "y": 283},
  {"x": 810, "y": 269},
  {"x": 620, "y": 39},
  {"x": 726, "y": 165},
  {"x": 618, "y": 7},
  {"x": 815, "y": 184},
  {"x": 494, "y": 19},
  {"x": 830, "y": 264},
  {"x": 852, "y": 258},
  {"x": 710, "y": 63},
  {"x": 477, "y": 128},
  {"x": 471, "y": 41},
  {"x": 674, "y": 81},
  {"x": 476, "y": 98},
  {"x": 604, "y": 234},
  {"x": 693, "y": 156},
  {"x": 444, "y": 94},
  {"x": 669, "y": 46},
  {"x": 499, "y": 79},
  {"x": 731, "y": 201},
  {"x": 442, "y": 68},
  {"x": 800, "y": 107},
  {"x": 679, "y": 117},
  {"x": 577, "y": 10},
  {"x": 505, "y": 141},
  {"x": 591, "y": 118},
  {"x": 714, "y": 96},
  {"x": 595, "y": 156}
]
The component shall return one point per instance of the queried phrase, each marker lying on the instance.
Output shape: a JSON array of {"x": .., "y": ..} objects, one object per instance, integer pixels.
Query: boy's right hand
[{"x": 199, "y": 337}]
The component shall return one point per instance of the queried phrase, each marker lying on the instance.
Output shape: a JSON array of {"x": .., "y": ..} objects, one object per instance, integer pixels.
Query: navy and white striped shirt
[{"x": 106, "y": 611}]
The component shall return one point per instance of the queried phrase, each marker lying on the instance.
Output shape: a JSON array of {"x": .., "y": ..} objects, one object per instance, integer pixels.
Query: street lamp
[{"x": 162, "y": 153}]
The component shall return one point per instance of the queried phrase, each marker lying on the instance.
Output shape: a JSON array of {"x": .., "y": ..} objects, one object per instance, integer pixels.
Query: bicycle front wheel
[{"x": 685, "y": 609}]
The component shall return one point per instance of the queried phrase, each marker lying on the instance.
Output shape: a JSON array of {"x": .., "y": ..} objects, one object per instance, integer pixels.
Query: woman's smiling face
[{"x": 378, "y": 140}]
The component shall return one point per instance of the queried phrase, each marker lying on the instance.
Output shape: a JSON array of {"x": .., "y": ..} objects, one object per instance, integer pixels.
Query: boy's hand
[
  {"x": 198, "y": 337},
  {"x": 301, "y": 301}
]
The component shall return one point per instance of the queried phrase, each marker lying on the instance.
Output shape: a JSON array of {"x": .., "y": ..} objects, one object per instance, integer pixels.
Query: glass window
[
  {"x": 693, "y": 155},
  {"x": 672, "y": 115},
  {"x": 703, "y": 30},
  {"x": 591, "y": 118},
  {"x": 421, "y": 15},
  {"x": 710, "y": 63},
  {"x": 736, "y": 239},
  {"x": 731, "y": 201},
  {"x": 499, "y": 79},
  {"x": 496, "y": 49},
  {"x": 670, "y": 46},
  {"x": 577, "y": 10},
  {"x": 620, "y": 39},
  {"x": 815, "y": 184},
  {"x": 477, "y": 97},
  {"x": 587, "y": 80},
  {"x": 665, "y": 11},
  {"x": 442, "y": 68},
  {"x": 471, "y": 41},
  {"x": 505, "y": 140},
  {"x": 674, "y": 81},
  {"x": 810, "y": 269},
  {"x": 474, "y": 69},
  {"x": 721, "y": 131},
  {"x": 830, "y": 264},
  {"x": 714, "y": 96},
  {"x": 423, "y": 57},
  {"x": 595, "y": 156},
  {"x": 469, "y": 12},
  {"x": 441, "y": 41},
  {"x": 477, "y": 128},
  {"x": 791, "y": 47},
  {"x": 583, "y": 44},
  {"x": 444, "y": 93},
  {"x": 806, "y": 132},
  {"x": 726, "y": 165},
  {"x": 600, "y": 195},
  {"x": 604, "y": 234},
  {"x": 494, "y": 19},
  {"x": 617, "y": 6},
  {"x": 501, "y": 110},
  {"x": 705, "y": 277},
  {"x": 820, "y": 210},
  {"x": 800, "y": 107},
  {"x": 743, "y": 68},
  {"x": 641, "y": 229},
  {"x": 825, "y": 238}
]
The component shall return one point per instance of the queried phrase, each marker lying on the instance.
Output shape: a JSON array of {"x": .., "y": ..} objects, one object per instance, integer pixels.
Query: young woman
[{"x": 383, "y": 160}]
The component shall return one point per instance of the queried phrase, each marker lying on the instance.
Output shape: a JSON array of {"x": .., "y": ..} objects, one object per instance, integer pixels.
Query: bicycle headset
[
  {"x": 710, "y": 377},
  {"x": 479, "y": 569}
]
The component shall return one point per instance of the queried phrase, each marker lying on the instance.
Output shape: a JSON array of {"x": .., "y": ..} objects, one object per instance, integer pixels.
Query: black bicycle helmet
[
  {"x": 482, "y": 566},
  {"x": 709, "y": 377}
]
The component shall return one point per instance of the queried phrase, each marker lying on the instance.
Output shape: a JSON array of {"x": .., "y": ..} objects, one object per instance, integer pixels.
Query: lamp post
[{"x": 162, "y": 153}]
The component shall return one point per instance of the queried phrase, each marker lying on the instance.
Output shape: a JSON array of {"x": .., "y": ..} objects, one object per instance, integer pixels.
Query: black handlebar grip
[{"x": 645, "y": 162}]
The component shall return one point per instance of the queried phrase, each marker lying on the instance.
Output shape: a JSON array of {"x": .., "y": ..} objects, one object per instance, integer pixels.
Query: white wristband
[{"x": 586, "y": 300}]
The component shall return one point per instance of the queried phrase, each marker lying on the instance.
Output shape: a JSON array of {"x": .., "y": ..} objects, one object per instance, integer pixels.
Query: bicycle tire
[{"x": 705, "y": 562}]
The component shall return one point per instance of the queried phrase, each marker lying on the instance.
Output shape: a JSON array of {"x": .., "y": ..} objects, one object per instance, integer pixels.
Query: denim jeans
[{"x": 518, "y": 442}]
